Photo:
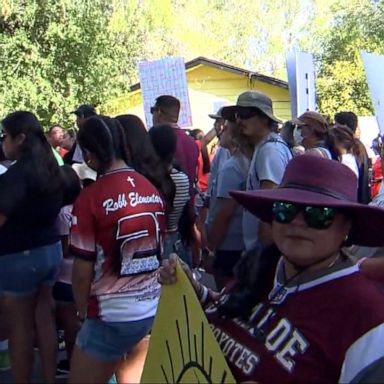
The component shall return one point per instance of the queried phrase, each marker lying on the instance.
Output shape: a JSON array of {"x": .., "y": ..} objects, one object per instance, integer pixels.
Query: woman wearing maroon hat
[{"x": 319, "y": 320}]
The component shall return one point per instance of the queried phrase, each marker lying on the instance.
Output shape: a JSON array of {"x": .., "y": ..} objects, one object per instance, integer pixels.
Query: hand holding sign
[{"x": 183, "y": 348}]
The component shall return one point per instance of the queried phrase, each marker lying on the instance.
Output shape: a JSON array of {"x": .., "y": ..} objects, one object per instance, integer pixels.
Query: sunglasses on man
[
  {"x": 154, "y": 109},
  {"x": 3, "y": 135},
  {"x": 314, "y": 217},
  {"x": 246, "y": 113}
]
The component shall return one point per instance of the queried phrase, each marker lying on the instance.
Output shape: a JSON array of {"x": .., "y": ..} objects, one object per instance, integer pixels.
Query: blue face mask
[{"x": 297, "y": 136}]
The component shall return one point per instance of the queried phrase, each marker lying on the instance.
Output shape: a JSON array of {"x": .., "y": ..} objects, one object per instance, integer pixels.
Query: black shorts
[
  {"x": 225, "y": 261},
  {"x": 62, "y": 292}
]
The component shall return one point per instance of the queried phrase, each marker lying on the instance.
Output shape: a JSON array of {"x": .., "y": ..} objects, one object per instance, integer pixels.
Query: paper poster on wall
[
  {"x": 374, "y": 71},
  {"x": 182, "y": 347},
  {"x": 165, "y": 77},
  {"x": 302, "y": 82}
]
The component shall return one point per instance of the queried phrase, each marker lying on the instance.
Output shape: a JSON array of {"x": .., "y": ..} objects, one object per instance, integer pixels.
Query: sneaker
[
  {"x": 5, "y": 361},
  {"x": 62, "y": 369}
]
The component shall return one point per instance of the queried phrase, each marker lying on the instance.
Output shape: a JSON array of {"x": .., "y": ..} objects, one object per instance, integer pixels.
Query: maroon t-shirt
[
  {"x": 186, "y": 155},
  {"x": 327, "y": 330}
]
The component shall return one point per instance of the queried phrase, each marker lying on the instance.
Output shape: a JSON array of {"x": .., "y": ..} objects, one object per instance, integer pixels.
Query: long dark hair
[
  {"x": 103, "y": 137},
  {"x": 36, "y": 154},
  {"x": 143, "y": 157},
  {"x": 344, "y": 135}
]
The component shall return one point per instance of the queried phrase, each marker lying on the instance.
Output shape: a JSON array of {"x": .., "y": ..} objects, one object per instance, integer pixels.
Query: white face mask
[{"x": 297, "y": 136}]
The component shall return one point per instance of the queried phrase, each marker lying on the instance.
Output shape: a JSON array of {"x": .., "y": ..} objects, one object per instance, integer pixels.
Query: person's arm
[
  {"x": 209, "y": 136},
  {"x": 373, "y": 268},
  {"x": 225, "y": 210},
  {"x": 82, "y": 276},
  {"x": 82, "y": 246},
  {"x": 364, "y": 359},
  {"x": 167, "y": 276}
]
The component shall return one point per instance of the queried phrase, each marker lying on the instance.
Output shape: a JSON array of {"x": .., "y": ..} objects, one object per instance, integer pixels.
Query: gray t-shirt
[
  {"x": 232, "y": 176},
  {"x": 269, "y": 160},
  {"x": 221, "y": 155}
]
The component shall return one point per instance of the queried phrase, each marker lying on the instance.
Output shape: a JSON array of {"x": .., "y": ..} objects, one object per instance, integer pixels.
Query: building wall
[{"x": 210, "y": 88}]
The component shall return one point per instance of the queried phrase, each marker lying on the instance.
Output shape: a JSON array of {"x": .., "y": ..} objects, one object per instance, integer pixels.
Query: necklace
[{"x": 276, "y": 297}]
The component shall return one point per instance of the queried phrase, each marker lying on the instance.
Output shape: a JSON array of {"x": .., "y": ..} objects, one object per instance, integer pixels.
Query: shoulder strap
[{"x": 270, "y": 140}]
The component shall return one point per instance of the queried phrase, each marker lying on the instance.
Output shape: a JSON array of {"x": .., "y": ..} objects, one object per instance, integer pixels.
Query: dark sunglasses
[
  {"x": 154, "y": 109},
  {"x": 3, "y": 135},
  {"x": 245, "y": 114},
  {"x": 314, "y": 217}
]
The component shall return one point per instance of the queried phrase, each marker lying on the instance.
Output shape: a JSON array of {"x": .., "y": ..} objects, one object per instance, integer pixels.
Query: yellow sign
[{"x": 182, "y": 347}]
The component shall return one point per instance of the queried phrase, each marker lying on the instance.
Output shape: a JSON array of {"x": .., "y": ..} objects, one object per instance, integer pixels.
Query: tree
[
  {"x": 341, "y": 81},
  {"x": 57, "y": 54}
]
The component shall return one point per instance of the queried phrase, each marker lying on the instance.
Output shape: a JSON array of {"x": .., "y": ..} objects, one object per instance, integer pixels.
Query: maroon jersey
[
  {"x": 327, "y": 330},
  {"x": 118, "y": 223}
]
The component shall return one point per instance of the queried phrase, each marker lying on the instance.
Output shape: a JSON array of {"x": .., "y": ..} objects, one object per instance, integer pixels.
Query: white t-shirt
[{"x": 350, "y": 161}]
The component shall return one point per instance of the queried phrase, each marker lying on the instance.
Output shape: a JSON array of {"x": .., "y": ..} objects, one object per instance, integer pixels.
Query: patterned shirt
[{"x": 118, "y": 224}]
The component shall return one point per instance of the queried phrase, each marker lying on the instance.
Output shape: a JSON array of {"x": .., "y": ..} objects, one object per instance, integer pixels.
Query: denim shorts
[
  {"x": 110, "y": 341},
  {"x": 22, "y": 273}
]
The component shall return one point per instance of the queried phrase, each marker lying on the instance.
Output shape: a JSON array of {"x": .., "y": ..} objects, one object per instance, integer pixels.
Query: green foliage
[
  {"x": 55, "y": 55},
  {"x": 341, "y": 80}
]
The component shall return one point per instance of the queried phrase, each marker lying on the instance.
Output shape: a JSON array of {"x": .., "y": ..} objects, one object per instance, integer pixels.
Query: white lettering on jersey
[
  {"x": 236, "y": 353},
  {"x": 278, "y": 335},
  {"x": 111, "y": 205},
  {"x": 296, "y": 343},
  {"x": 136, "y": 199}
]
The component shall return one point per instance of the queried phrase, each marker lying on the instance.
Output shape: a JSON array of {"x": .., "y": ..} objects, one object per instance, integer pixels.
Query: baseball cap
[
  {"x": 85, "y": 110},
  {"x": 217, "y": 115},
  {"x": 251, "y": 99},
  {"x": 312, "y": 119}
]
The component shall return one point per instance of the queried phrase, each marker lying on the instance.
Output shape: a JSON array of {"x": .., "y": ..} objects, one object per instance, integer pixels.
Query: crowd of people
[{"x": 285, "y": 216}]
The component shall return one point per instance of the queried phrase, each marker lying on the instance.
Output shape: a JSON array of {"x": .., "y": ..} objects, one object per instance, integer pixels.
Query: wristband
[
  {"x": 361, "y": 261},
  {"x": 203, "y": 294}
]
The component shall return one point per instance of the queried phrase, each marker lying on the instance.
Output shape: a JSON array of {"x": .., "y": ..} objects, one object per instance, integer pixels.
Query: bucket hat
[
  {"x": 316, "y": 181},
  {"x": 251, "y": 99}
]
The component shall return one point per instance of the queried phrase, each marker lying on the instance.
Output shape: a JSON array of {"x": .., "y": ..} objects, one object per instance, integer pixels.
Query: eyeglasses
[
  {"x": 154, "y": 109},
  {"x": 3, "y": 135},
  {"x": 314, "y": 217},
  {"x": 246, "y": 113}
]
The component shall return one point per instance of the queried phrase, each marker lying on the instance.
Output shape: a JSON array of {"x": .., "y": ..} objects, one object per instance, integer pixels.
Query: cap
[
  {"x": 312, "y": 119},
  {"x": 217, "y": 115}
]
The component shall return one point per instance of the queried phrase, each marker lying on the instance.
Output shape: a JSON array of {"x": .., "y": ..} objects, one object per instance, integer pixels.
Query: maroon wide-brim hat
[{"x": 316, "y": 181}]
